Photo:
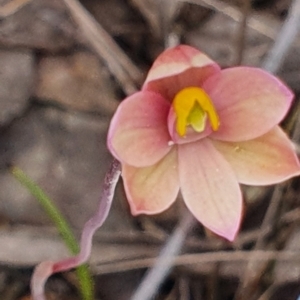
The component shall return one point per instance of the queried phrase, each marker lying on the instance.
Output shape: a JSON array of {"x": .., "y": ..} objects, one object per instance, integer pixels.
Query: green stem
[{"x": 84, "y": 276}]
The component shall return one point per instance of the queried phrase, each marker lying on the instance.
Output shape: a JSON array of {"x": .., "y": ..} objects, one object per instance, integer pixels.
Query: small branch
[
  {"x": 241, "y": 36},
  {"x": 46, "y": 269},
  {"x": 271, "y": 64},
  {"x": 284, "y": 40},
  {"x": 127, "y": 74},
  {"x": 12, "y": 7},
  {"x": 165, "y": 262},
  {"x": 198, "y": 259},
  {"x": 268, "y": 30}
]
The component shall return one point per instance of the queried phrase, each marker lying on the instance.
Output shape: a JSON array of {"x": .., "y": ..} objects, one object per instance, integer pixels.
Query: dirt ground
[{"x": 60, "y": 83}]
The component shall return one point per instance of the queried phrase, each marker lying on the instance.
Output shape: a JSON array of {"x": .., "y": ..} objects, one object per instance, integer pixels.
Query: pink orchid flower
[{"x": 201, "y": 130}]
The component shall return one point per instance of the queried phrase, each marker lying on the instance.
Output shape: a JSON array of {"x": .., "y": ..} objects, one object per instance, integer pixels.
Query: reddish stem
[{"x": 47, "y": 268}]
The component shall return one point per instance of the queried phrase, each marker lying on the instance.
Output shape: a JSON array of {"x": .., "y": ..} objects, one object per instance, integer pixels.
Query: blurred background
[{"x": 61, "y": 79}]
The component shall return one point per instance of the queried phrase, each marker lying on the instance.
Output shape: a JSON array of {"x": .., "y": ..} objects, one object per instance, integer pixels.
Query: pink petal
[
  {"x": 153, "y": 189},
  {"x": 191, "y": 134},
  {"x": 250, "y": 102},
  {"x": 138, "y": 133},
  {"x": 210, "y": 188},
  {"x": 266, "y": 160},
  {"x": 177, "y": 68}
]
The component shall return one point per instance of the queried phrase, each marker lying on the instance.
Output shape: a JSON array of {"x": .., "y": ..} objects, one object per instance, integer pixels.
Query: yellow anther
[{"x": 192, "y": 107}]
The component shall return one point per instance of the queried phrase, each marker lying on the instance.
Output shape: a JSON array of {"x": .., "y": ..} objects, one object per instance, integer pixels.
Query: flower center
[{"x": 192, "y": 107}]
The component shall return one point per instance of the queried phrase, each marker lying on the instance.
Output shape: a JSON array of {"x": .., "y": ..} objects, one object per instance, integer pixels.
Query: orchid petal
[
  {"x": 151, "y": 190},
  {"x": 266, "y": 160},
  {"x": 209, "y": 188},
  {"x": 138, "y": 133},
  {"x": 177, "y": 68},
  {"x": 249, "y": 101}
]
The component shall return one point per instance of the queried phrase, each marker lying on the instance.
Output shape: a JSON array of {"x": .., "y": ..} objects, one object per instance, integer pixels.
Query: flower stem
[{"x": 47, "y": 268}]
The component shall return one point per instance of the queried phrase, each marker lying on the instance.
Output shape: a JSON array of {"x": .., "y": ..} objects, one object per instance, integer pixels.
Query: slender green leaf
[{"x": 84, "y": 276}]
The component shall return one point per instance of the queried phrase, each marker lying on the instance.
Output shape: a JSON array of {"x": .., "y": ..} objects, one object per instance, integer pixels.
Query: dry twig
[
  {"x": 255, "y": 270},
  {"x": 199, "y": 259},
  {"x": 241, "y": 35},
  {"x": 284, "y": 40},
  {"x": 127, "y": 74},
  {"x": 12, "y": 7},
  {"x": 164, "y": 263},
  {"x": 253, "y": 22}
]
